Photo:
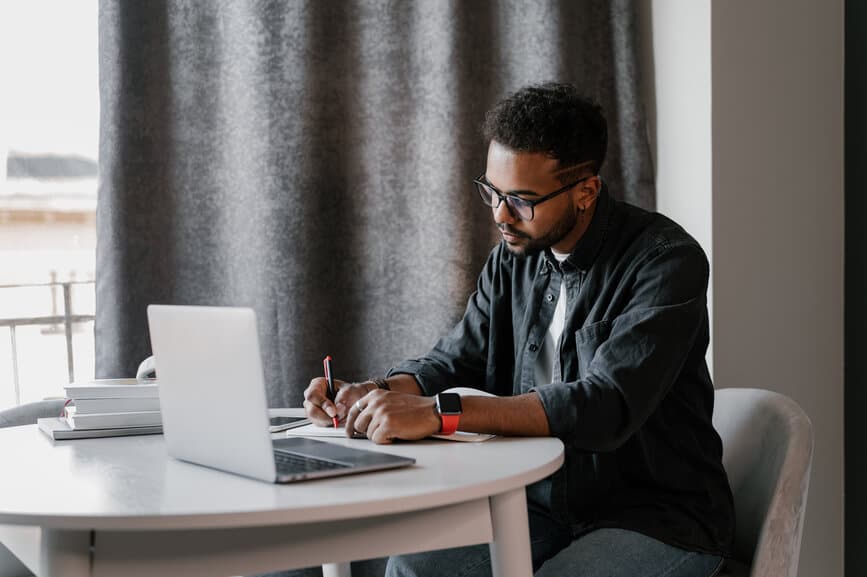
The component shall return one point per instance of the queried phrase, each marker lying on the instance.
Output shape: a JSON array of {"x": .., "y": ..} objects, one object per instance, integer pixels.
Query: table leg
[
  {"x": 510, "y": 549},
  {"x": 336, "y": 570},
  {"x": 64, "y": 553}
]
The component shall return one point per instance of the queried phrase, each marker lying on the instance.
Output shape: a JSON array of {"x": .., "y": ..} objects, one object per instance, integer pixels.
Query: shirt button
[
  {"x": 550, "y": 298},
  {"x": 534, "y": 347}
]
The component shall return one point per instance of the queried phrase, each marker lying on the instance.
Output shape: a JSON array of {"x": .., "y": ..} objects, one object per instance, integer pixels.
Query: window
[{"x": 49, "y": 124}]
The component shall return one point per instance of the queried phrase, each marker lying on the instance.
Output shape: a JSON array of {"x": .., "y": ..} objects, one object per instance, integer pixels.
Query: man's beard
[{"x": 535, "y": 245}]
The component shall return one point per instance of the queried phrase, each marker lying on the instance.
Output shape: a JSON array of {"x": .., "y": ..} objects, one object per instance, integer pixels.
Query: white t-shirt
[{"x": 551, "y": 346}]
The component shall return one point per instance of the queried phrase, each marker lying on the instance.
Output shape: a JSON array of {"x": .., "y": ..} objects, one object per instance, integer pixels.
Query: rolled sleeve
[
  {"x": 557, "y": 400},
  {"x": 429, "y": 380}
]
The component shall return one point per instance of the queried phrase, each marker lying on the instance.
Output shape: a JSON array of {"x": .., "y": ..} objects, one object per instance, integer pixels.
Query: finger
[
  {"x": 342, "y": 411},
  {"x": 317, "y": 391},
  {"x": 344, "y": 392},
  {"x": 346, "y": 396},
  {"x": 363, "y": 416},
  {"x": 378, "y": 432},
  {"x": 316, "y": 414},
  {"x": 350, "y": 421},
  {"x": 329, "y": 408},
  {"x": 318, "y": 387},
  {"x": 317, "y": 395}
]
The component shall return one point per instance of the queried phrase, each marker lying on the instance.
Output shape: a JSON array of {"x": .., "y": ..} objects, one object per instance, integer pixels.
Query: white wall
[
  {"x": 676, "y": 62},
  {"x": 775, "y": 213},
  {"x": 778, "y": 227}
]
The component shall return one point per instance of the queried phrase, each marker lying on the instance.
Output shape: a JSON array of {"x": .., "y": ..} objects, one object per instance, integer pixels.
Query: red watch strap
[{"x": 450, "y": 424}]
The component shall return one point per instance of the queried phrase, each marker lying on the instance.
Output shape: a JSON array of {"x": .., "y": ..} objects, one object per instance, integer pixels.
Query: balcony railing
[{"x": 58, "y": 321}]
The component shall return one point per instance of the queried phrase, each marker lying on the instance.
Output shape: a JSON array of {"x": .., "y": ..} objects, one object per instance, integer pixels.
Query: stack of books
[{"x": 107, "y": 408}]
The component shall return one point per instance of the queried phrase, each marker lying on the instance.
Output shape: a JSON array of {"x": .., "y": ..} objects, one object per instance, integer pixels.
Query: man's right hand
[{"x": 320, "y": 409}]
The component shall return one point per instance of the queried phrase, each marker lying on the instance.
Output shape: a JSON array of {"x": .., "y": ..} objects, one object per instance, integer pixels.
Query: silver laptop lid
[{"x": 211, "y": 386}]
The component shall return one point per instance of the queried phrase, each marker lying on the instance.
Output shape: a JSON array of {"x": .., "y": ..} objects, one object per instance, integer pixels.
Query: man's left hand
[{"x": 384, "y": 416}]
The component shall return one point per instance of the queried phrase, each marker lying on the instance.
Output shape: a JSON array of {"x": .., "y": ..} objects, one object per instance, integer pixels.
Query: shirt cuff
[
  {"x": 428, "y": 379},
  {"x": 557, "y": 402}
]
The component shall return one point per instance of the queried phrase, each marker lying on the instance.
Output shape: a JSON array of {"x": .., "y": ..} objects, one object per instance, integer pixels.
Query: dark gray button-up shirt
[{"x": 635, "y": 402}]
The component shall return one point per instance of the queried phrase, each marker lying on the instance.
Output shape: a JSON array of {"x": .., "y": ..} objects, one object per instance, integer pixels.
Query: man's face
[{"x": 532, "y": 175}]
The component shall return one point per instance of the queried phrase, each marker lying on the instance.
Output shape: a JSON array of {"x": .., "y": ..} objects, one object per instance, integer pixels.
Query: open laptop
[{"x": 212, "y": 398}]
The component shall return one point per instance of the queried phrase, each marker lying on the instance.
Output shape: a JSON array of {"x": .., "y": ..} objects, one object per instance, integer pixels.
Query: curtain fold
[{"x": 313, "y": 160}]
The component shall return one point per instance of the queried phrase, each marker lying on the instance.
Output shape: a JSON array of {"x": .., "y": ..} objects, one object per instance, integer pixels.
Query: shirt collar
[{"x": 588, "y": 245}]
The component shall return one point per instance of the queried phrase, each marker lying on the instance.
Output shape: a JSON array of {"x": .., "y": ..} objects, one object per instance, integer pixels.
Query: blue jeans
[{"x": 600, "y": 553}]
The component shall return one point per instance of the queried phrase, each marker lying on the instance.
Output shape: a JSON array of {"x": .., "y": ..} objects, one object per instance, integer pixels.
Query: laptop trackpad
[{"x": 332, "y": 452}]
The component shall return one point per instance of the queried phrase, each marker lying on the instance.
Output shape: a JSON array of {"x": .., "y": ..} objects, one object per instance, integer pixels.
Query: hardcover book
[
  {"x": 58, "y": 429},
  {"x": 112, "y": 389},
  {"x": 112, "y": 420},
  {"x": 117, "y": 405}
]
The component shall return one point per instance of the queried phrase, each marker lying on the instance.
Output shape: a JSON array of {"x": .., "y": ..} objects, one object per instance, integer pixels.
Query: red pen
[{"x": 326, "y": 362}]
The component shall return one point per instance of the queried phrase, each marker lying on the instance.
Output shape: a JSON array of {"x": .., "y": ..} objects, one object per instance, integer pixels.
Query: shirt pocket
[{"x": 587, "y": 340}]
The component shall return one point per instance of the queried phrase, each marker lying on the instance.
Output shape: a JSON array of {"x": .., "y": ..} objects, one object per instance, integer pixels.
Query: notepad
[{"x": 313, "y": 430}]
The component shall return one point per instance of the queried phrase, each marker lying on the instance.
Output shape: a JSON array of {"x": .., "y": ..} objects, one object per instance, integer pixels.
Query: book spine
[
  {"x": 120, "y": 392},
  {"x": 119, "y": 405},
  {"x": 113, "y": 420}
]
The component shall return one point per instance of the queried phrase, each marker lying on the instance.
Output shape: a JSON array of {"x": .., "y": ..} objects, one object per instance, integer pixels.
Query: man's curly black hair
[{"x": 552, "y": 118}]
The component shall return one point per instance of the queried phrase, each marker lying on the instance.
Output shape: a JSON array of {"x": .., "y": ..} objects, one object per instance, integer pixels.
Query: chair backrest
[
  {"x": 767, "y": 452},
  {"x": 27, "y": 413}
]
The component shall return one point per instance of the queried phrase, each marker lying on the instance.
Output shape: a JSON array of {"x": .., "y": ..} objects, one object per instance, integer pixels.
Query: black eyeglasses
[{"x": 519, "y": 207}]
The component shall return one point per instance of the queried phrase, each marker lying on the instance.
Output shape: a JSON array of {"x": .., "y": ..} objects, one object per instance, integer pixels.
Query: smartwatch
[{"x": 449, "y": 409}]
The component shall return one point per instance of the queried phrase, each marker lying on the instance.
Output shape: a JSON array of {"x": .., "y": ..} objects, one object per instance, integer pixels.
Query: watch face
[{"x": 449, "y": 403}]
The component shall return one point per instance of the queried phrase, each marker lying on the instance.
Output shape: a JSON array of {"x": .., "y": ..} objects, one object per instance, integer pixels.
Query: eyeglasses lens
[
  {"x": 520, "y": 208},
  {"x": 517, "y": 206},
  {"x": 488, "y": 195}
]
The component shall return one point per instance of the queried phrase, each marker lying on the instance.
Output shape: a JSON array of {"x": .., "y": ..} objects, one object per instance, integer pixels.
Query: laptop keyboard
[{"x": 290, "y": 463}]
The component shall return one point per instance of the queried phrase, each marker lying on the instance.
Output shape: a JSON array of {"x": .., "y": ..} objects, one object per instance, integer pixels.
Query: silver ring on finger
[{"x": 359, "y": 406}]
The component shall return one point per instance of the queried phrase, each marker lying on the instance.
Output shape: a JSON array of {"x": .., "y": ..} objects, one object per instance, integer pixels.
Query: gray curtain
[{"x": 313, "y": 160}]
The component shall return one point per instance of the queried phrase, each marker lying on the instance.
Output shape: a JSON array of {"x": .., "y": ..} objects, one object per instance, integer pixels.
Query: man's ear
[{"x": 588, "y": 191}]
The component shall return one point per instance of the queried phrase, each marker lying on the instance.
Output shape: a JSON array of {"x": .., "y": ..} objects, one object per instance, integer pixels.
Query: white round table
[{"x": 121, "y": 506}]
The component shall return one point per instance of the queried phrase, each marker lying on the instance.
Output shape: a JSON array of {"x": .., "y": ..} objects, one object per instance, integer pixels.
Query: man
[{"x": 590, "y": 324}]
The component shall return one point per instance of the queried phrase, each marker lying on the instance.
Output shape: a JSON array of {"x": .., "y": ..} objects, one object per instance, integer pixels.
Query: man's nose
[{"x": 502, "y": 213}]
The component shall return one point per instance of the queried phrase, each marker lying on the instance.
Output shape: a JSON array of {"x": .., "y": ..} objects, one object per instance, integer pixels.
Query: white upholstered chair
[
  {"x": 23, "y": 415},
  {"x": 27, "y": 413},
  {"x": 767, "y": 452}
]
